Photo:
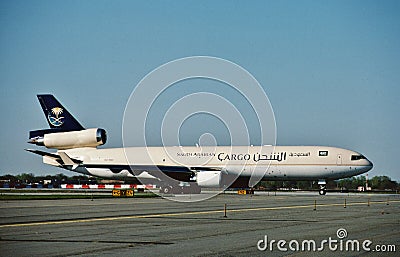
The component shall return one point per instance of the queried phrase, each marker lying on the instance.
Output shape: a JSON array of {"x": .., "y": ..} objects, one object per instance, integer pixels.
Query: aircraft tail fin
[{"x": 57, "y": 116}]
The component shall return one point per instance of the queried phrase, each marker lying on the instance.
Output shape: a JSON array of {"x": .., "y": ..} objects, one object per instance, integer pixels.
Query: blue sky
[{"x": 330, "y": 68}]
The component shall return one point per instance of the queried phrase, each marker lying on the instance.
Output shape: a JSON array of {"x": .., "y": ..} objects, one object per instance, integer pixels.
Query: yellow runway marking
[
  {"x": 72, "y": 205},
  {"x": 184, "y": 214}
]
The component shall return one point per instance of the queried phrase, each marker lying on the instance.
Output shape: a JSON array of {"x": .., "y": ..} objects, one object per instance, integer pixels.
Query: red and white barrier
[{"x": 108, "y": 186}]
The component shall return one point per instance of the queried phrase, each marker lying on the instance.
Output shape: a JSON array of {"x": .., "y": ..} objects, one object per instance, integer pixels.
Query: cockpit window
[{"x": 357, "y": 157}]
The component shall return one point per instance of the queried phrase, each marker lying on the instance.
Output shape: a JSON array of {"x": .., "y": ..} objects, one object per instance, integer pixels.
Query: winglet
[{"x": 68, "y": 161}]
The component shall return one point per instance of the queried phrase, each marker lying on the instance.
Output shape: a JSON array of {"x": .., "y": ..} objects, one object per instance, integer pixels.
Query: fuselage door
[{"x": 339, "y": 159}]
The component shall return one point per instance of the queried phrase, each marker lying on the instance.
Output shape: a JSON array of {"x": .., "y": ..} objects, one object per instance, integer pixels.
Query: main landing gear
[
  {"x": 181, "y": 188},
  {"x": 322, "y": 187},
  {"x": 166, "y": 189}
]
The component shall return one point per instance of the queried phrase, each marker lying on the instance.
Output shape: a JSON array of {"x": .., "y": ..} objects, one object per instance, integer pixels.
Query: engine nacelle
[
  {"x": 209, "y": 178},
  {"x": 72, "y": 139}
]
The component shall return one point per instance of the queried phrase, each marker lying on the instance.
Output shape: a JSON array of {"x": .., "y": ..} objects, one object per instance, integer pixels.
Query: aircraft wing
[{"x": 180, "y": 173}]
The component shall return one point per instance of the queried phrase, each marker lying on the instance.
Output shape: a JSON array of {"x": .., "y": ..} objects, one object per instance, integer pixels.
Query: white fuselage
[{"x": 267, "y": 162}]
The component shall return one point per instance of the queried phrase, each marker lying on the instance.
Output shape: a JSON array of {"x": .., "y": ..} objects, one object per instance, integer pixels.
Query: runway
[{"x": 159, "y": 227}]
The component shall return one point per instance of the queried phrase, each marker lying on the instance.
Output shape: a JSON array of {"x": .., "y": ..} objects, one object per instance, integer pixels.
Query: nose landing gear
[{"x": 322, "y": 187}]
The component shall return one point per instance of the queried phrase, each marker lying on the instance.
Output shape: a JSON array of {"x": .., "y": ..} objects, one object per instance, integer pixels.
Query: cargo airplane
[{"x": 198, "y": 167}]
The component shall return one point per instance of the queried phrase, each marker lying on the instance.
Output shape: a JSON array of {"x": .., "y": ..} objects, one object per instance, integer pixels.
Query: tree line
[
  {"x": 55, "y": 180},
  {"x": 376, "y": 183}
]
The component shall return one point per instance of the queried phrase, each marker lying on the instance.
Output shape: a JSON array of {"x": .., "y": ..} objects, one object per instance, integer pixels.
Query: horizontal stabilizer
[
  {"x": 43, "y": 153},
  {"x": 61, "y": 157}
]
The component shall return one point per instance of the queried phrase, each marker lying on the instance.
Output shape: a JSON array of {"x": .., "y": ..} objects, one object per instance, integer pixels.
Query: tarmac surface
[{"x": 160, "y": 227}]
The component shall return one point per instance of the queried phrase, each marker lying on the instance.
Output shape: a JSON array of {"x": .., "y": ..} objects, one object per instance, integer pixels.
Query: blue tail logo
[
  {"x": 57, "y": 115},
  {"x": 54, "y": 116}
]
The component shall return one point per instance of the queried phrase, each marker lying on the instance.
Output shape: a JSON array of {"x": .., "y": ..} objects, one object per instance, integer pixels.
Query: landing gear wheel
[
  {"x": 166, "y": 190},
  {"x": 322, "y": 190}
]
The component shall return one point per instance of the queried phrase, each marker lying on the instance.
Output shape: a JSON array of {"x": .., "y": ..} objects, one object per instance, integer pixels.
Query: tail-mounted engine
[{"x": 70, "y": 139}]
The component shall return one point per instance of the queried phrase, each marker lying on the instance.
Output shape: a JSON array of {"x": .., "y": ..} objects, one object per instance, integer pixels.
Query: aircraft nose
[{"x": 370, "y": 165}]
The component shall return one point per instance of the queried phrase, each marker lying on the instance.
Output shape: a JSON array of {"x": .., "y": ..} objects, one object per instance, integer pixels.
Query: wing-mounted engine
[
  {"x": 210, "y": 178},
  {"x": 70, "y": 139}
]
